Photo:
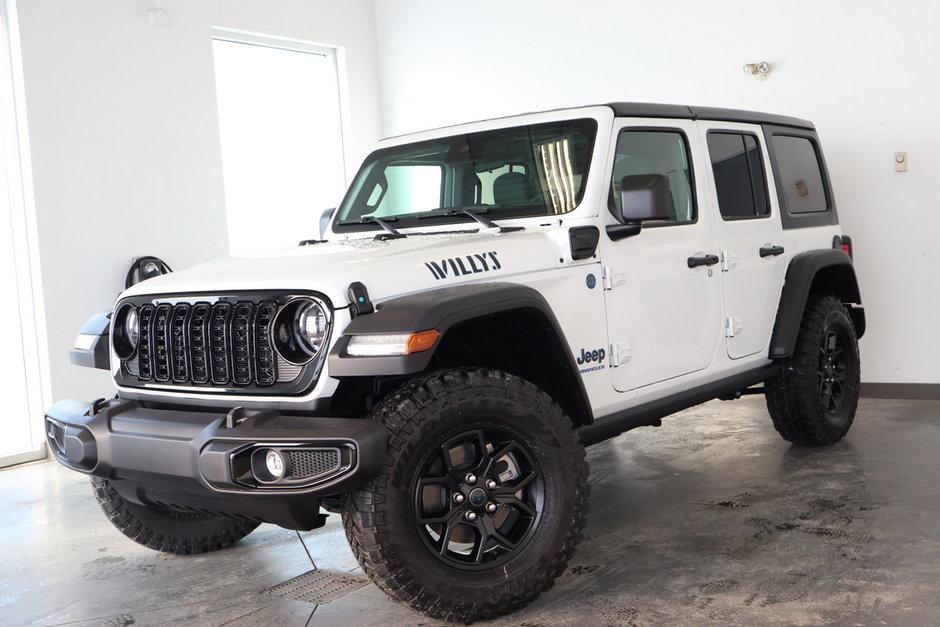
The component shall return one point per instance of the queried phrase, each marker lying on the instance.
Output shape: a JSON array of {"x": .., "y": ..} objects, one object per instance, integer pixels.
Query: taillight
[{"x": 844, "y": 242}]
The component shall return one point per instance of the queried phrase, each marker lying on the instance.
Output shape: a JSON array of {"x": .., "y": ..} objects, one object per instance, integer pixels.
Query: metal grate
[
  {"x": 221, "y": 344},
  {"x": 308, "y": 464},
  {"x": 318, "y": 586},
  {"x": 56, "y": 433}
]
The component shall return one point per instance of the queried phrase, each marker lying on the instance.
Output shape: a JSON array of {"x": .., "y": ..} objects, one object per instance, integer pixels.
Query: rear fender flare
[{"x": 829, "y": 271}]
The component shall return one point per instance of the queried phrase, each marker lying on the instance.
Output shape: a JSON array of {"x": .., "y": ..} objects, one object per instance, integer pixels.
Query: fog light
[
  {"x": 269, "y": 465},
  {"x": 274, "y": 462}
]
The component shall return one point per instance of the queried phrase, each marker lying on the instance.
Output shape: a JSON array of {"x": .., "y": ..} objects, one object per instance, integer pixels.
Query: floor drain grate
[{"x": 319, "y": 586}]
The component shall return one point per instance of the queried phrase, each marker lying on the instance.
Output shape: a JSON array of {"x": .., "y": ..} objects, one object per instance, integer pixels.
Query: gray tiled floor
[{"x": 709, "y": 520}]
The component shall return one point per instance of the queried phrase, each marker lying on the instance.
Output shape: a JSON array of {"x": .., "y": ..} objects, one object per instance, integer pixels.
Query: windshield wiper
[
  {"x": 390, "y": 233},
  {"x": 469, "y": 211}
]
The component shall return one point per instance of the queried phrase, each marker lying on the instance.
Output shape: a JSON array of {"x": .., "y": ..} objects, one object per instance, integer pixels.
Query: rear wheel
[
  {"x": 813, "y": 399},
  {"x": 481, "y": 500},
  {"x": 167, "y": 530}
]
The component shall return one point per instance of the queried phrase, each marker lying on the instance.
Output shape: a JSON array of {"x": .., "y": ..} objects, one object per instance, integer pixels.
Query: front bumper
[{"x": 203, "y": 461}]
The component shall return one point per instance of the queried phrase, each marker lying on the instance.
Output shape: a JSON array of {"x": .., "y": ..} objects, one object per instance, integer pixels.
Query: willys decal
[{"x": 467, "y": 264}]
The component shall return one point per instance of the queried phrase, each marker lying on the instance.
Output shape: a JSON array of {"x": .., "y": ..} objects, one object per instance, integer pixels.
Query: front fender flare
[{"x": 437, "y": 309}]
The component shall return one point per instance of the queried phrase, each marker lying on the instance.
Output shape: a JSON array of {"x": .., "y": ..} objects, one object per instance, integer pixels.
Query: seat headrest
[{"x": 511, "y": 188}]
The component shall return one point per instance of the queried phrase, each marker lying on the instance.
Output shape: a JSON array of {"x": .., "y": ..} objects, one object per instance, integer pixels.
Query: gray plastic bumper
[{"x": 204, "y": 461}]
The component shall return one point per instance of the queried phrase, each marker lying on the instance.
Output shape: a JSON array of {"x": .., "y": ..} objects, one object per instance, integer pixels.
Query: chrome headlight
[
  {"x": 126, "y": 331},
  {"x": 313, "y": 325},
  {"x": 300, "y": 329}
]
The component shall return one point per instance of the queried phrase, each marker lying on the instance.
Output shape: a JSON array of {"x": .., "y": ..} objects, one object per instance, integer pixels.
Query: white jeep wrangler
[{"x": 487, "y": 300}]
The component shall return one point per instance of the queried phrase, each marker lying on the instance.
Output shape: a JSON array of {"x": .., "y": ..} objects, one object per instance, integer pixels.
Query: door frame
[{"x": 16, "y": 188}]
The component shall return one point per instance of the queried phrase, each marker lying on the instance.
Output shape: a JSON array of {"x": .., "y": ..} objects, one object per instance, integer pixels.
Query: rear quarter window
[{"x": 800, "y": 175}]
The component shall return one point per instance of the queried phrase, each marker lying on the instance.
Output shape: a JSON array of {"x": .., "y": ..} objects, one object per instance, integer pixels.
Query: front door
[{"x": 662, "y": 285}]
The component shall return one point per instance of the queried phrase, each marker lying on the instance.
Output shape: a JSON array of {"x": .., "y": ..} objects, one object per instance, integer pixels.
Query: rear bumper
[{"x": 203, "y": 461}]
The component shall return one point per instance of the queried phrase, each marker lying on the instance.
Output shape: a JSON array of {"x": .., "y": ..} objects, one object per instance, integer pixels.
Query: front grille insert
[
  {"x": 216, "y": 344},
  {"x": 160, "y": 337}
]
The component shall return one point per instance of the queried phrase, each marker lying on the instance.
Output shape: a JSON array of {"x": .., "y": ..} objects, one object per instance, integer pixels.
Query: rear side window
[
  {"x": 800, "y": 175},
  {"x": 739, "y": 175}
]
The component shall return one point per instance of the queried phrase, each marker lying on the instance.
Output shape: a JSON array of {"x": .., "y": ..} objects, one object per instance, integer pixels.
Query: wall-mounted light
[
  {"x": 156, "y": 17},
  {"x": 758, "y": 70}
]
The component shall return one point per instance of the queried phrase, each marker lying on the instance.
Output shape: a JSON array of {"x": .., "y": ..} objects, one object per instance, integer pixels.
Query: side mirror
[
  {"x": 325, "y": 218},
  {"x": 644, "y": 197}
]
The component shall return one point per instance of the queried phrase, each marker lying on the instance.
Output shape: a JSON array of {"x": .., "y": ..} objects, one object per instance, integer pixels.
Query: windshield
[{"x": 513, "y": 172}]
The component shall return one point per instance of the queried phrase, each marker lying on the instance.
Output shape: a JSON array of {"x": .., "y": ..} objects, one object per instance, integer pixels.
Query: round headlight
[
  {"x": 312, "y": 326},
  {"x": 126, "y": 331},
  {"x": 300, "y": 329},
  {"x": 132, "y": 325}
]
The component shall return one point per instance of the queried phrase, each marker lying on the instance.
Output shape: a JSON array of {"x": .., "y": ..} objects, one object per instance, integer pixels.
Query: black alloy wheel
[
  {"x": 832, "y": 370},
  {"x": 478, "y": 498}
]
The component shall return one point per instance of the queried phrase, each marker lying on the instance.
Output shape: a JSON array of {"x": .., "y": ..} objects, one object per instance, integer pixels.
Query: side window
[
  {"x": 739, "y": 175},
  {"x": 799, "y": 174},
  {"x": 656, "y": 152}
]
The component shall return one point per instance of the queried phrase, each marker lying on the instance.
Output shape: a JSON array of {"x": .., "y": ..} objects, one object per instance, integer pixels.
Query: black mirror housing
[{"x": 644, "y": 197}]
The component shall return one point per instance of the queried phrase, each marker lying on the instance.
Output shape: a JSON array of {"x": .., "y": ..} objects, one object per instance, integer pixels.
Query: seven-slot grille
[{"x": 218, "y": 344}]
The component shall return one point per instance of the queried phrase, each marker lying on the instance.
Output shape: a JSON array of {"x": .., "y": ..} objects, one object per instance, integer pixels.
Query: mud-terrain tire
[
  {"x": 181, "y": 533},
  {"x": 511, "y": 455},
  {"x": 813, "y": 399}
]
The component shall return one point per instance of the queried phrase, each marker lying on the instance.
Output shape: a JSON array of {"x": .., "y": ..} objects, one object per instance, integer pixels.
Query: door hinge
[
  {"x": 733, "y": 326},
  {"x": 611, "y": 278},
  {"x": 728, "y": 260},
  {"x": 620, "y": 353}
]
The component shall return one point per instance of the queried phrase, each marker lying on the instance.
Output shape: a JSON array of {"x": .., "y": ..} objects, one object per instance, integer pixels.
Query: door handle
[
  {"x": 768, "y": 251},
  {"x": 703, "y": 260}
]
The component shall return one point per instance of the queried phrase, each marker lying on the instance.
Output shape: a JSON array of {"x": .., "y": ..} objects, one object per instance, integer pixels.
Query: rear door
[{"x": 750, "y": 236}]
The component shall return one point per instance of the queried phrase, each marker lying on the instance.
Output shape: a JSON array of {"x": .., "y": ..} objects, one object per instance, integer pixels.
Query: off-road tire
[
  {"x": 804, "y": 410},
  {"x": 422, "y": 418},
  {"x": 181, "y": 533}
]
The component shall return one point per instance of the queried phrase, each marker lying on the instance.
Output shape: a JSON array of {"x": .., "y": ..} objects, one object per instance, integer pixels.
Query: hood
[{"x": 387, "y": 268}]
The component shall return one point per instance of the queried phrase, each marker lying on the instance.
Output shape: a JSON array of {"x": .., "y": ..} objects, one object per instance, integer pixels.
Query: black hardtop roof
[{"x": 652, "y": 110}]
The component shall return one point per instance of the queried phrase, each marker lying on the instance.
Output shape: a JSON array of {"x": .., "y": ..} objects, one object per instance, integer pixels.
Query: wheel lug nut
[
  {"x": 491, "y": 484},
  {"x": 471, "y": 515},
  {"x": 491, "y": 507},
  {"x": 471, "y": 478},
  {"x": 458, "y": 498}
]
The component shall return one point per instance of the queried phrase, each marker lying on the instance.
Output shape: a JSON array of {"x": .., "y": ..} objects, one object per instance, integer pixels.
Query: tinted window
[
  {"x": 799, "y": 174},
  {"x": 739, "y": 175},
  {"x": 656, "y": 152}
]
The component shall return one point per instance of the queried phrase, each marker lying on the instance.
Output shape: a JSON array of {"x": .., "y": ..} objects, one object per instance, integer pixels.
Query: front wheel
[
  {"x": 481, "y": 499},
  {"x": 168, "y": 530},
  {"x": 813, "y": 399}
]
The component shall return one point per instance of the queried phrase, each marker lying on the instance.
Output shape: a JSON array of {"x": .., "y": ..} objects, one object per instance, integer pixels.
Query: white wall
[
  {"x": 125, "y": 140},
  {"x": 863, "y": 70}
]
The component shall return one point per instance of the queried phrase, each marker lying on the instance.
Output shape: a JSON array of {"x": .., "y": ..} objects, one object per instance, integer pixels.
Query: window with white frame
[
  {"x": 281, "y": 126},
  {"x": 21, "y": 421}
]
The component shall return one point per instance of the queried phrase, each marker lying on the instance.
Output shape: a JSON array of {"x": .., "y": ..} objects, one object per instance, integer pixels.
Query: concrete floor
[{"x": 710, "y": 520}]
